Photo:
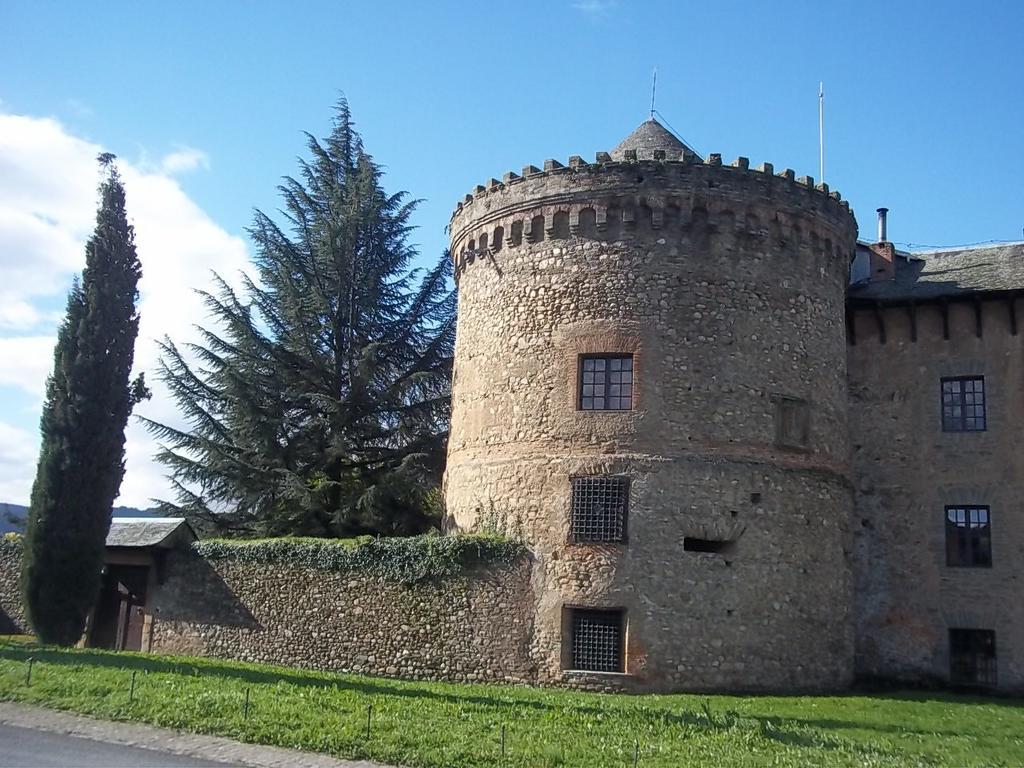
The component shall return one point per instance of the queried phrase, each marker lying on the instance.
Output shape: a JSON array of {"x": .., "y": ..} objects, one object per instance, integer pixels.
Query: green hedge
[{"x": 406, "y": 559}]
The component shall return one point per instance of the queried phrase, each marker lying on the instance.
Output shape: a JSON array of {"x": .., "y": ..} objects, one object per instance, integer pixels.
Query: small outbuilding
[{"x": 136, "y": 552}]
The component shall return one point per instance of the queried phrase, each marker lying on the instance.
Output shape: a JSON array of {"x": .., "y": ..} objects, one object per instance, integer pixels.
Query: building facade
[
  {"x": 936, "y": 382},
  {"x": 666, "y": 385}
]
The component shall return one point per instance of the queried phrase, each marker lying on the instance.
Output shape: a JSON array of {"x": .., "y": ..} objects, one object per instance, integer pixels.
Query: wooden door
[
  {"x": 121, "y": 612},
  {"x": 136, "y": 621}
]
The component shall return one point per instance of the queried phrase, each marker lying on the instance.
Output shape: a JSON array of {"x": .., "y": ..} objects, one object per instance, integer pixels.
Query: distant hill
[{"x": 12, "y": 516}]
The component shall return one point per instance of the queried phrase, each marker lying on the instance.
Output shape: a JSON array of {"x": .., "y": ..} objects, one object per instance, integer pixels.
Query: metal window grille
[
  {"x": 963, "y": 404},
  {"x": 972, "y": 656},
  {"x": 599, "y": 508},
  {"x": 968, "y": 537},
  {"x": 597, "y": 640},
  {"x": 606, "y": 383}
]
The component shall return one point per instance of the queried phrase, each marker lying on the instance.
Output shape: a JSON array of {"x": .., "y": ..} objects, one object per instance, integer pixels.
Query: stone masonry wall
[
  {"x": 908, "y": 470},
  {"x": 473, "y": 628},
  {"x": 12, "y": 614},
  {"x": 727, "y": 286},
  {"x": 470, "y": 628}
]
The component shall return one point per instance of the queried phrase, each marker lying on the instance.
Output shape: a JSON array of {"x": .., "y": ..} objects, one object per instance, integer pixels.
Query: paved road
[
  {"x": 33, "y": 736},
  {"x": 29, "y": 748}
]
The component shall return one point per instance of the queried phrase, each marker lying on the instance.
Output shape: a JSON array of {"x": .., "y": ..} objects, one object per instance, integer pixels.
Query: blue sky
[{"x": 206, "y": 102}]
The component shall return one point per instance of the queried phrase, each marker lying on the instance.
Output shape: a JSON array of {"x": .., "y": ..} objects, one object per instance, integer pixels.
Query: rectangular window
[
  {"x": 968, "y": 537},
  {"x": 599, "y": 507},
  {"x": 972, "y": 656},
  {"x": 792, "y": 422},
  {"x": 598, "y": 640},
  {"x": 963, "y": 404},
  {"x": 606, "y": 383}
]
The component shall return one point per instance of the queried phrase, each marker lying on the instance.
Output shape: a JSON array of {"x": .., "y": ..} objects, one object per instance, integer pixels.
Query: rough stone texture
[
  {"x": 471, "y": 628},
  {"x": 650, "y": 137},
  {"x": 908, "y": 470},
  {"x": 727, "y": 285},
  {"x": 12, "y": 614}
]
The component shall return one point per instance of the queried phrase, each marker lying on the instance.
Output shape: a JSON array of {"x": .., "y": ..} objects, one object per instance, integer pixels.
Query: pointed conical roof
[{"x": 649, "y": 136}]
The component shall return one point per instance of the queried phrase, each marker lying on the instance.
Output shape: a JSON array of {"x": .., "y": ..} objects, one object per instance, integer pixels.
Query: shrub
[{"x": 406, "y": 559}]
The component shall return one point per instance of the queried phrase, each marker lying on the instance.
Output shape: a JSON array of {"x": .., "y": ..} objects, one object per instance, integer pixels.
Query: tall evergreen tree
[
  {"x": 319, "y": 405},
  {"x": 88, "y": 400}
]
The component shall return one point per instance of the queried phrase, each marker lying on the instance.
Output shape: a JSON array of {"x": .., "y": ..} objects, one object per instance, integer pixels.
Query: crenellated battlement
[
  {"x": 604, "y": 163},
  {"x": 614, "y": 199}
]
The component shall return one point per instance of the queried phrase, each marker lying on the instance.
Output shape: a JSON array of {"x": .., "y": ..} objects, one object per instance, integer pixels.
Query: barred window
[
  {"x": 606, "y": 383},
  {"x": 597, "y": 640},
  {"x": 972, "y": 656},
  {"x": 968, "y": 537},
  {"x": 600, "y": 504},
  {"x": 963, "y": 404}
]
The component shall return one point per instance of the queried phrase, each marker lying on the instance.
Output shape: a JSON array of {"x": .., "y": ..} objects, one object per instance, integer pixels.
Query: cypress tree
[
  {"x": 319, "y": 404},
  {"x": 88, "y": 400}
]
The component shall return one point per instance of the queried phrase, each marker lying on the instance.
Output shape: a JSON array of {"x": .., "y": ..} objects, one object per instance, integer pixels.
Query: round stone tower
[{"x": 650, "y": 390}]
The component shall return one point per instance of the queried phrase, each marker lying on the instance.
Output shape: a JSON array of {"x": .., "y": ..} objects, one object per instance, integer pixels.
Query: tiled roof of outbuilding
[
  {"x": 147, "y": 531},
  {"x": 649, "y": 136},
  {"x": 937, "y": 274}
]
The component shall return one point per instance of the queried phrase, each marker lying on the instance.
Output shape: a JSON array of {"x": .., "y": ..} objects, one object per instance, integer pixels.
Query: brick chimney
[{"x": 883, "y": 253}]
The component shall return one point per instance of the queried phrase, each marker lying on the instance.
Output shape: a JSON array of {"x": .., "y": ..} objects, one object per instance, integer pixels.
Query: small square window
[
  {"x": 972, "y": 656},
  {"x": 598, "y": 640},
  {"x": 792, "y": 422},
  {"x": 963, "y": 404},
  {"x": 606, "y": 383},
  {"x": 600, "y": 504},
  {"x": 968, "y": 537}
]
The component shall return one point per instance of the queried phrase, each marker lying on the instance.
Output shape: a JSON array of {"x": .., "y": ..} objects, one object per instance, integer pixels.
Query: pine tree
[
  {"x": 319, "y": 405},
  {"x": 88, "y": 400}
]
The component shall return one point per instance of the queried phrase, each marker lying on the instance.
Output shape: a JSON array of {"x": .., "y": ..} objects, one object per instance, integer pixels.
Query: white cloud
[
  {"x": 595, "y": 9},
  {"x": 17, "y": 315},
  {"x": 27, "y": 363},
  {"x": 48, "y": 180},
  {"x": 183, "y": 160},
  {"x": 18, "y": 450}
]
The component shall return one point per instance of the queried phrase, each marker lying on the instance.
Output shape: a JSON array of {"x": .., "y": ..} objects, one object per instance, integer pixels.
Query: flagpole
[
  {"x": 821, "y": 131},
  {"x": 654, "y": 88}
]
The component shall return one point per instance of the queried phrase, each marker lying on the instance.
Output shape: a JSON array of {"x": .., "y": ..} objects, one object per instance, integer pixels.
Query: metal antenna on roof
[
  {"x": 674, "y": 132},
  {"x": 654, "y": 89}
]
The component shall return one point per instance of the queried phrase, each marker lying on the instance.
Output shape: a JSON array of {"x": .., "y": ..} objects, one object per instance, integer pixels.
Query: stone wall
[
  {"x": 474, "y": 627},
  {"x": 727, "y": 286},
  {"x": 12, "y": 615},
  {"x": 908, "y": 470}
]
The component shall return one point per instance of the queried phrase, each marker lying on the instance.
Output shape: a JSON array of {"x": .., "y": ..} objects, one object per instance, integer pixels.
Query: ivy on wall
[{"x": 406, "y": 559}]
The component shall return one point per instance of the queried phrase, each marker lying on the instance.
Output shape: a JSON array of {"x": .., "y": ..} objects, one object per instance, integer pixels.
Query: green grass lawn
[{"x": 435, "y": 724}]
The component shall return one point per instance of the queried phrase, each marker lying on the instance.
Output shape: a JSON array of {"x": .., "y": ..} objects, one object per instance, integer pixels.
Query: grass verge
[{"x": 432, "y": 725}]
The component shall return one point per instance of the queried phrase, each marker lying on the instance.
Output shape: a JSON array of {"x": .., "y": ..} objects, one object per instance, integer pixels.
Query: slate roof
[
  {"x": 937, "y": 274},
  {"x": 649, "y": 136},
  {"x": 147, "y": 531}
]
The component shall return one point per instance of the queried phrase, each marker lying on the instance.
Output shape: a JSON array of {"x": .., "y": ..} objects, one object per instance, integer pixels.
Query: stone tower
[{"x": 650, "y": 390}]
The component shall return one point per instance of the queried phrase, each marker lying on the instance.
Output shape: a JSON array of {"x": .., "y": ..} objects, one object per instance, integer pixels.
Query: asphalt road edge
[{"x": 212, "y": 748}]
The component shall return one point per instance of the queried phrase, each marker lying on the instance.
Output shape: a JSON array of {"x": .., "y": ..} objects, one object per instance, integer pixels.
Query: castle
[{"x": 746, "y": 450}]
